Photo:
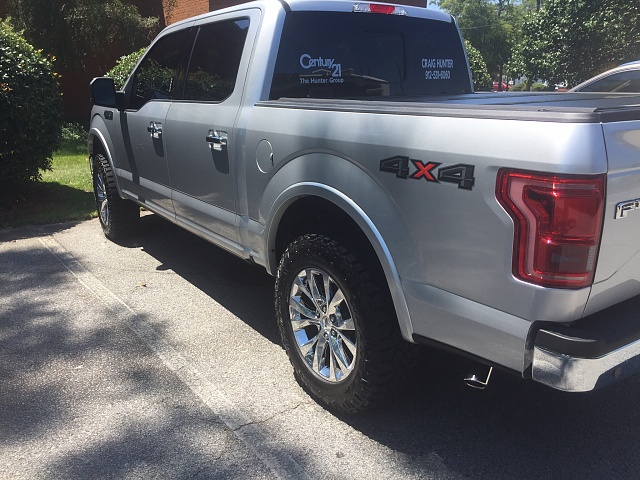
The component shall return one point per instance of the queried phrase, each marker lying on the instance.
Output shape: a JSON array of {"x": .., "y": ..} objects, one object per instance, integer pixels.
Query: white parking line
[{"x": 241, "y": 423}]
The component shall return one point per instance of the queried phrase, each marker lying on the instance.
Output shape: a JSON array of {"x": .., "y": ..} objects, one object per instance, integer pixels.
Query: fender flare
[
  {"x": 95, "y": 131},
  {"x": 303, "y": 189}
]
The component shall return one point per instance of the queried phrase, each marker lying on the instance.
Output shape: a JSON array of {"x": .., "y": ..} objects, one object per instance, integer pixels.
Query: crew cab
[{"x": 340, "y": 146}]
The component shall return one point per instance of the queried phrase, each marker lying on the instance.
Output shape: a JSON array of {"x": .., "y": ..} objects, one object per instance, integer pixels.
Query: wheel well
[
  {"x": 316, "y": 215},
  {"x": 95, "y": 146}
]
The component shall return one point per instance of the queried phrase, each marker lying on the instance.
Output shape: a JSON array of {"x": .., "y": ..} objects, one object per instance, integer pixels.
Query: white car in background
[{"x": 622, "y": 79}]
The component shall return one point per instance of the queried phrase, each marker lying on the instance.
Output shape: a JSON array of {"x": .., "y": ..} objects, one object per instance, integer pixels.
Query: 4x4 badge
[{"x": 460, "y": 174}]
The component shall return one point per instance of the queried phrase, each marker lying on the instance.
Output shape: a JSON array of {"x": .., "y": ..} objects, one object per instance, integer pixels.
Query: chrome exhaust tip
[{"x": 479, "y": 377}]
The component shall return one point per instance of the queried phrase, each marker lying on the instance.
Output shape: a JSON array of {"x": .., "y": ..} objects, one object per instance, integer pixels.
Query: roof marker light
[{"x": 379, "y": 8}]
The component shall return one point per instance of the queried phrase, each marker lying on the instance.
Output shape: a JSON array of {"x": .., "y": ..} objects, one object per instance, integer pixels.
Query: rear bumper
[{"x": 590, "y": 353}]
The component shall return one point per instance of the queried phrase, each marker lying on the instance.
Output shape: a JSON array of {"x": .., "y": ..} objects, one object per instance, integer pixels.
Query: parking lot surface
[{"x": 159, "y": 358}]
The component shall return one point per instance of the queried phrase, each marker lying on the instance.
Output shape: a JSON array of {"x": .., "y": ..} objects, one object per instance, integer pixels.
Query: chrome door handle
[
  {"x": 155, "y": 129},
  {"x": 217, "y": 140}
]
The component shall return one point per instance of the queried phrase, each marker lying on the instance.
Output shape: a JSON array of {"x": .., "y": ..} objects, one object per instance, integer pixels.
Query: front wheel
[
  {"x": 118, "y": 217},
  {"x": 338, "y": 325}
]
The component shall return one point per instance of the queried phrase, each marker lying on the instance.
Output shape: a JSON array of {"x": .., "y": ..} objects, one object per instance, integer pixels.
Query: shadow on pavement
[
  {"x": 81, "y": 397},
  {"x": 245, "y": 289},
  {"x": 513, "y": 429}
]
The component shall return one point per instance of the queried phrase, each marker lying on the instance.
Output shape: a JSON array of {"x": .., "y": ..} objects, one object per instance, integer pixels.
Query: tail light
[{"x": 558, "y": 222}]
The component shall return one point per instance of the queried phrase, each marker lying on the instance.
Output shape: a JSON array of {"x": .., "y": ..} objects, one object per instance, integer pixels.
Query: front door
[{"x": 155, "y": 85}]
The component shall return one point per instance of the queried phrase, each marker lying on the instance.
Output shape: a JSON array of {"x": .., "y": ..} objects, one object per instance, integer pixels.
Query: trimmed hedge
[{"x": 30, "y": 113}]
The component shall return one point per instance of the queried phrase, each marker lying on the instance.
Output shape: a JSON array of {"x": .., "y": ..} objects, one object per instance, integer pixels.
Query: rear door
[{"x": 201, "y": 141}]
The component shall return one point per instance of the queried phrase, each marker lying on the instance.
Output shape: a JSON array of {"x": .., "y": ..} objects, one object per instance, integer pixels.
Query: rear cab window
[
  {"x": 215, "y": 59},
  {"x": 356, "y": 55}
]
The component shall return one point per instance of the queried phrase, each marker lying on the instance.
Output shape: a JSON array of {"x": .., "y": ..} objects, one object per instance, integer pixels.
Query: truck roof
[{"x": 318, "y": 5}]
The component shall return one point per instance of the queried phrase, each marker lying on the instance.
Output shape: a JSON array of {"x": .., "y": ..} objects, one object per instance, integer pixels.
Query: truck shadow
[
  {"x": 246, "y": 290},
  {"x": 513, "y": 429}
]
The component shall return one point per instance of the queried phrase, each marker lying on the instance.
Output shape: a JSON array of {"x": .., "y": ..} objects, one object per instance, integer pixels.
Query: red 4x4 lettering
[{"x": 424, "y": 170}]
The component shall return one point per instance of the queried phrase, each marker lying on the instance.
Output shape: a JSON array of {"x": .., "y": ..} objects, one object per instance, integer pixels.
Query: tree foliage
[
  {"x": 479, "y": 72},
  {"x": 76, "y": 29},
  {"x": 124, "y": 67},
  {"x": 574, "y": 40},
  {"x": 491, "y": 26},
  {"x": 30, "y": 112}
]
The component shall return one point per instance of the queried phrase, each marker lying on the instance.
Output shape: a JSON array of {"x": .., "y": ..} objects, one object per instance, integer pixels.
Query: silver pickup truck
[{"x": 340, "y": 146}]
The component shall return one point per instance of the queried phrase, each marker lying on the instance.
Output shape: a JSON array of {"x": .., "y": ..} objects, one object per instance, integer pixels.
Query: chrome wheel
[
  {"x": 338, "y": 325},
  {"x": 322, "y": 325},
  {"x": 102, "y": 200}
]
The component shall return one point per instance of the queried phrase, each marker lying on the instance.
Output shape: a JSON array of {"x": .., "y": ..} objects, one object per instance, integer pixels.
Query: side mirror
[{"x": 103, "y": 93}]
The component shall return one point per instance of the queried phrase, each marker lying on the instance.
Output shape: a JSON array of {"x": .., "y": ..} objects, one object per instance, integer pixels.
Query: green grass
[
  {"x": 70, "y": 167},
  {"x": 64, "y": 194}
]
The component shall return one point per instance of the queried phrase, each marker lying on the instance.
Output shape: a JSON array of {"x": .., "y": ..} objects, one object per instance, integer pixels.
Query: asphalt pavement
[{"x": 159, "y": 357}]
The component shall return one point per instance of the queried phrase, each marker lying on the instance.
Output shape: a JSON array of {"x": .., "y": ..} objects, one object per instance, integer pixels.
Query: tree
[
  {"x": 491, "y": 26},
  {"x": 73, "y": 30},
  {"x": 30, "y": 112},
  {"x": 574, "y": 40},
  {"x": 479, "y": 73}
]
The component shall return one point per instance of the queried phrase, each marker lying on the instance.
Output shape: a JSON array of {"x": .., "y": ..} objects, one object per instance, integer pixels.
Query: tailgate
[{"x": 617, "y": 275}]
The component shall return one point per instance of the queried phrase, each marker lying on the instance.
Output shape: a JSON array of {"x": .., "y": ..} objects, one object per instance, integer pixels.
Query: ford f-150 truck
[{"x": 340, "y": 145}]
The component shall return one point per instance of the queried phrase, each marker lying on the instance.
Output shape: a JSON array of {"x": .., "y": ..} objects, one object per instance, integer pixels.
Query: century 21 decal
[{"x": 460, "y": 174}]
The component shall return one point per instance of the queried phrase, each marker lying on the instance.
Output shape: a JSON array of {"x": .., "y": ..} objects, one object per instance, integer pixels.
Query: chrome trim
[
  {"x": 323, "y": 325},
  {"x": 623, "y": 208},
  {"x": 572, "y": 374},
  {"x": 218, "y": 140}
]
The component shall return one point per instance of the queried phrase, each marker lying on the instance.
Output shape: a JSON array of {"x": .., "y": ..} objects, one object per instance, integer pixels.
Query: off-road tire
[
  {"x": 119, "y": 218},
  {"x": 382, "y": 360}
]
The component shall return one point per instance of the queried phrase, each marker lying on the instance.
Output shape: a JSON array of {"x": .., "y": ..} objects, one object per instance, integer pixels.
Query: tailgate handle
[{"x": 217, "y": 140}]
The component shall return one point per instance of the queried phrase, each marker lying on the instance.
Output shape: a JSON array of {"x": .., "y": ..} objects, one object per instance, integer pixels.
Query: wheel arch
[
  {"x": 97, "y": 142},
  {"x": 310, "y": 207}
]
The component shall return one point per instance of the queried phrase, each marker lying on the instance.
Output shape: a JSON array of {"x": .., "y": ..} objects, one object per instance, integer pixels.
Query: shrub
[
  {"x": 30, "y": 112},
  {"x": 519, "y": 87},
  {"x": 73, "y": 132},
  {"x": 540, "y": 87},
  {"x": 124, "y": 67}
]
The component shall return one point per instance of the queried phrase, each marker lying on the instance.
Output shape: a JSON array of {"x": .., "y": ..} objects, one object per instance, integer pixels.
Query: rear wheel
[
  {"x": 118, "y": 217},
  {"x": 338, "y": 325}
]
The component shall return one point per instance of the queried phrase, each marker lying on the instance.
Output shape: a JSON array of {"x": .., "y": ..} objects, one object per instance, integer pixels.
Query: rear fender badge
[
  {"x": 461, "y": 174},
  {"x": 623, "y": 208}
]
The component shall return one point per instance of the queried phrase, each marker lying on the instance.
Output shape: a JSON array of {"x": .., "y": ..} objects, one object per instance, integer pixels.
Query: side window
[
  {"x": 157, "y": 76},
  {"x": 626, "y": 82},
  {"x": 215, "y": 60}
]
